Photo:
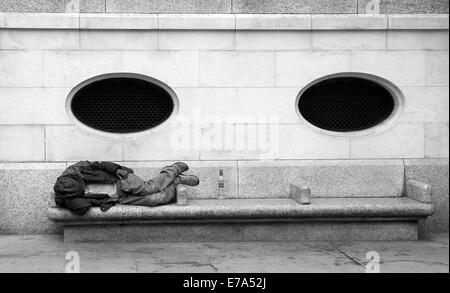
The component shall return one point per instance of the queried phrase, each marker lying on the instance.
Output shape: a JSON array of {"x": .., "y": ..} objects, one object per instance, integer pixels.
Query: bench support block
[{"x": 252, "y": 231}]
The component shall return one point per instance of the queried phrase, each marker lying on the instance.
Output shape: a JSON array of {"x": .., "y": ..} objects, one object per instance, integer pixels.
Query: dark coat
[{"x": 69, "y": 187}]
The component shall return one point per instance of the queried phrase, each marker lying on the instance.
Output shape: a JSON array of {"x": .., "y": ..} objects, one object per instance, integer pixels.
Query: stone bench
[
  {"x": 350, "y": 201},
  {"x": 280, "y": 219}
]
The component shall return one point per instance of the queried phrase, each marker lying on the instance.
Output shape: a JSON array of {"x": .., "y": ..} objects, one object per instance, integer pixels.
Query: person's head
[{"x": 68, "y": 186}]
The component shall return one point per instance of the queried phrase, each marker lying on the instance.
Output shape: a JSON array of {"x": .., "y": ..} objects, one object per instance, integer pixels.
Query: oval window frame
[
  {"x": 388, "y": 123},
  {"x": 91, "y": 130}
]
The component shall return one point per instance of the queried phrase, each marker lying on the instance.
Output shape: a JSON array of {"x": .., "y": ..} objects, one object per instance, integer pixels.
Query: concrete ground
[{"x": 47, "y": 253}]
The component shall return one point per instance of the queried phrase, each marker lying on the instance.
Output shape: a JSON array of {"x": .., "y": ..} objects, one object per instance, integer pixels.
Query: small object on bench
[
  {"x": 418, "y": 191},
  {"x": 221, "y": 181},
  {"x": 301, "y": 194},
  {"x": 182, "y": 196}
]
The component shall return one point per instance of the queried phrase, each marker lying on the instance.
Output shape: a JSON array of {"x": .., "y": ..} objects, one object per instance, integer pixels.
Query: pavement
[{"x": 47, "y": 253}]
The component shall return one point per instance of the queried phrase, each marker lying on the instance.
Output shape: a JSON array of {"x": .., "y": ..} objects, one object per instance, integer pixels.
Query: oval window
[
  {"x": 346, "y": 104},
  {"x": 122, "y": 104}
]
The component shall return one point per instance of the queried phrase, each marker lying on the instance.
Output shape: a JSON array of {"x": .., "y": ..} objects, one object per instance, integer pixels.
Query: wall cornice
[{"x": 86, "y": 21}]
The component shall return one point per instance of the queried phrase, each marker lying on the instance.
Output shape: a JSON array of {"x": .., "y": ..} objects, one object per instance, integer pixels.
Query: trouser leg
[
  {"x": 136, "y": 186},
  {"x": 166, "y": 196},
  {"x": 167, "y": 176},
  {"x": 158, "y": 190}
]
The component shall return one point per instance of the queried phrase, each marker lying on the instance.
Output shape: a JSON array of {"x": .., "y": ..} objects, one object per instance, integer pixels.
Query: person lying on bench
[{"x": 105, "y": 184}]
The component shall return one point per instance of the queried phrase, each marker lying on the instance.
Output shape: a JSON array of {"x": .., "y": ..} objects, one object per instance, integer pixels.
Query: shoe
[
  {"x": 182, "y": 167},
  {"x": 190, "y": 180}
]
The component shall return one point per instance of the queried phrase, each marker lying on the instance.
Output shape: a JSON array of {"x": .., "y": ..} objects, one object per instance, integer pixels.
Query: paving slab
[
  {"x": 428, "y": 256},
  {"x": 46, "y": 253}
]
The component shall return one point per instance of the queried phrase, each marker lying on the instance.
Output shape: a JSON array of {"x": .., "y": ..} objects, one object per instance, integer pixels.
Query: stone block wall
[
  {"x": 26, "y": 188},
  {"x": 436, "y": 173},
  {"x": 224, "y": 64},
  {"x": 234, "y": 74}
]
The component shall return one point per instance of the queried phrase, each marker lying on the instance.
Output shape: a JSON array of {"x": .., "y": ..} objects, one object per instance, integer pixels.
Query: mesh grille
[
  {"x": 346, "y": 104},
  {"x": 122, "y": 105}
]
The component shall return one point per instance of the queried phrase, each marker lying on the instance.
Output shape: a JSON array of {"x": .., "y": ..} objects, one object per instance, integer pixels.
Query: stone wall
[
  {"x": 435, "y": 173},
  {"x": 26, "y": 188},
  {"x": 226, "y": 64},
  {"x": 229, "y": 6},
  {"x": 221, "y": 66}
]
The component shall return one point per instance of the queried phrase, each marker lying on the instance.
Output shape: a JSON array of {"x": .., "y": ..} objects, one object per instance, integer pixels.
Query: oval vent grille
[
  {"x": 122, "y": 105},
  {"x": 346, "y": 104}
]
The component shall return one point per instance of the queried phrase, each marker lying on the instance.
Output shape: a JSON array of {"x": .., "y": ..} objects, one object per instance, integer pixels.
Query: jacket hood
[{"x": 69, "y": 185}]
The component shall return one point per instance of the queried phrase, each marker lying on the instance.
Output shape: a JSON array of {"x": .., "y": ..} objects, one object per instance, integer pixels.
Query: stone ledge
[
  {"x": 273, "y": 22},
  {"x": 349, "y": 22},
  {"x": 196, "y": 22},
  {"x": 418, "y": 22},
  {"x": 40, "y": 20},
  {"x": 32, "y": 166},
  {"x": 251, "y": 209},
  {"x": 122, "y": 21},
  {"x": 222, "y": 21}
]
